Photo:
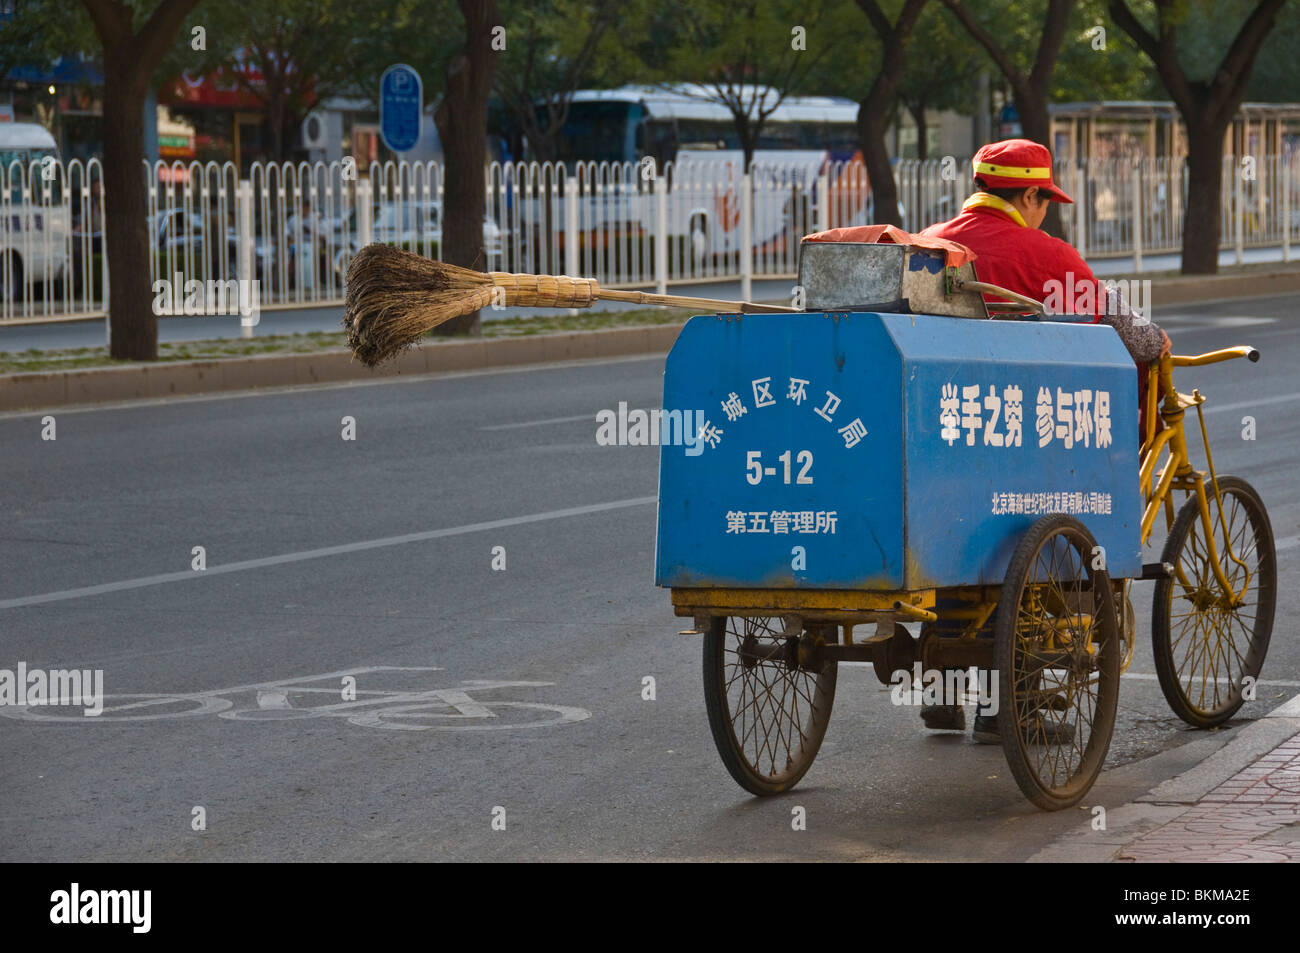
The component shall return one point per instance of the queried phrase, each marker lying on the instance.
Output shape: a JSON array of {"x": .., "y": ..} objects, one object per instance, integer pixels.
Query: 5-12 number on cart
[{"x": 755, "y": 470}]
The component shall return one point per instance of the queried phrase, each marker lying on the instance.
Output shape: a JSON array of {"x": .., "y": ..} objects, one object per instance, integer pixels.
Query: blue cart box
[{"x": 889, "y": 451}]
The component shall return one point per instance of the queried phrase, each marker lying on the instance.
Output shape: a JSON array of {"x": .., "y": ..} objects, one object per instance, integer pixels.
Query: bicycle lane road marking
[
  {"x": 212, "y": 702},
  {"x": 400, "y": 709}
]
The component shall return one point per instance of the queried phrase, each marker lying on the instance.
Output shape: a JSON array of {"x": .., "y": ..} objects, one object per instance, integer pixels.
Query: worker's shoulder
[{"x": 1058, "y": 248}]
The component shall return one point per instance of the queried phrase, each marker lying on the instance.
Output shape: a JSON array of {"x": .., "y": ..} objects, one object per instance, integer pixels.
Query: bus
[
  {"x": 682, "y": 132},
  {"x": 628, "y": 123}
]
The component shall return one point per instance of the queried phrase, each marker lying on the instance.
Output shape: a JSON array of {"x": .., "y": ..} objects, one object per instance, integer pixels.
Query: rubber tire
[
  {"x": 1161, "y": 638},
  {"x": 720, "y": 718},
  {"x": 1103, "y": 726}
]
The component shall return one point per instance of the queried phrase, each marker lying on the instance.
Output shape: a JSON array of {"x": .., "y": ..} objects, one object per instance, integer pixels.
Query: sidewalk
[
  {"x": 1252, "y": 816},
  {"x": 1239, "y": 804}
]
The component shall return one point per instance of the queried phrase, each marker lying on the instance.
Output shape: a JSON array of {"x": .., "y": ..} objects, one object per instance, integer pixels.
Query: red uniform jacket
[{"x": 1023, "y": 259}]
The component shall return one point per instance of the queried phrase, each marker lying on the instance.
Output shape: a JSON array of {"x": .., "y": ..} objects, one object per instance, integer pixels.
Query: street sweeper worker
[{"x": 1001, "y": 222}]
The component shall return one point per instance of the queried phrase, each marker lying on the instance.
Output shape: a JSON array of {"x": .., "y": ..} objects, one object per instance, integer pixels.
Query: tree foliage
[
  {"x": 553, "y": 48},
  {"x": 288, "y": 55}
]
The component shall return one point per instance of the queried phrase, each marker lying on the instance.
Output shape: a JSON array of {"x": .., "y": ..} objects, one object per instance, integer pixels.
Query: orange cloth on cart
[{"x": 955, "y": 254}]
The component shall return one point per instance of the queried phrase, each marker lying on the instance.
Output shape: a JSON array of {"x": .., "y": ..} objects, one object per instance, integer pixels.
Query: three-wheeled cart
[{"x": 830, "y": 477}]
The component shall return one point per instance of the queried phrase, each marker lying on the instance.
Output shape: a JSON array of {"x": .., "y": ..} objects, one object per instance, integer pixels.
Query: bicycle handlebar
[{"x": 1213, "y": 357}]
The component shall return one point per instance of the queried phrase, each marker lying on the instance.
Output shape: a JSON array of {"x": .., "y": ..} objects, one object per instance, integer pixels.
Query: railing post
[
  {"x": 571, "y": 265},
  {"x": 746, "y": 237},
  {"x": 571, "y": 226},
  {"x": 365, "y": 211},
  {"x": 1137, "y": 216},
  {"x": 660, "y": 184},
  {"x": 823, "y": 203},
  {"x": 1284, "y": 176},
  {"x": 1081, "y": 207},
  {"x": 1239, "y": 212},
  {"x": 244, "y": 224}
]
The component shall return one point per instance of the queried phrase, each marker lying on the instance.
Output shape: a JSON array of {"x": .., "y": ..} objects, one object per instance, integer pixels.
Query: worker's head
[
  {"x": 1030, "y": 201},
  {"x": 1019, "y": 171}
]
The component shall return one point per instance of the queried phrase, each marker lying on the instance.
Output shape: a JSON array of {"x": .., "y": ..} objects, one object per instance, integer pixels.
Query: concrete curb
[
  {"x": 39, "y": 390},
  {"x": 1191, "y": 289},
  {"x": 44, "y": 389},
  {"x": 1249, "y": 744}
]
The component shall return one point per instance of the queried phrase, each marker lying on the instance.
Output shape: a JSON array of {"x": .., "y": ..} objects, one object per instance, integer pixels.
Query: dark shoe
[
  {"x": 986, "y": 732},
  {"x": 944, "y": 717},
  {"x": 1054, "y": 733}
]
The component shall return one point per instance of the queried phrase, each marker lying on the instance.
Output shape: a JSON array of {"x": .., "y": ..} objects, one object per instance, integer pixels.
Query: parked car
[
  {"x": 174, "y": 230},
  {"x": 33, "y": 238},
  {"x": 415, "y": 226}
]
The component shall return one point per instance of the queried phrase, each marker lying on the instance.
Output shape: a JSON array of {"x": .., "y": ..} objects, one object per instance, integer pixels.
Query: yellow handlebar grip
[{"x": 1213, "y": 357}]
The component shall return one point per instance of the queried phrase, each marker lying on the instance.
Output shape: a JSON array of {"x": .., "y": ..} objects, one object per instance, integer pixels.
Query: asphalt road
[{"x": 313, "y": 577}]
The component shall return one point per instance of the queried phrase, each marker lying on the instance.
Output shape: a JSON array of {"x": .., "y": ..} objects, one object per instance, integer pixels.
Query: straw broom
[{"x": 394, "y": 297}]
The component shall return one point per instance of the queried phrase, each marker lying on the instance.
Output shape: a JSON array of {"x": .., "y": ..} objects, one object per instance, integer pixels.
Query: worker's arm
[{"x": 1143, "y": 338}]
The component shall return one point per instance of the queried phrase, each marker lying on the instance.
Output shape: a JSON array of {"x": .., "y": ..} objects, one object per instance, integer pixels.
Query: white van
[{"x": 35, "y": 221}]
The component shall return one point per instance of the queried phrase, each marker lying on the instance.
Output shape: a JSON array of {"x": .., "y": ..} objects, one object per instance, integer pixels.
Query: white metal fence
[{"x": 294, "y": 227}]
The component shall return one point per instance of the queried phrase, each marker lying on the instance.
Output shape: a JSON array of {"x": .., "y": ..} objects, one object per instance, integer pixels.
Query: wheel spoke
[
  {"x": 776, "y": 712},
  {"x": 1208, "y": 640},
  {"x": 1060, "y": 690}
]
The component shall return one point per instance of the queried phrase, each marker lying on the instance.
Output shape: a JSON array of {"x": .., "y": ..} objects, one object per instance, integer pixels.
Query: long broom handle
[
  {"x": 682, "y": 301},
  {"x": 565, "y": 291}
]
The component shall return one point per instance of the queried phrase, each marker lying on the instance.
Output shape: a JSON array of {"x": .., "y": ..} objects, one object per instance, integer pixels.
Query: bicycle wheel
[
  {"x": 1204, "y": 645},
  {"x": 768, "y": 712},
  {"x": 1057, "y": 650}
]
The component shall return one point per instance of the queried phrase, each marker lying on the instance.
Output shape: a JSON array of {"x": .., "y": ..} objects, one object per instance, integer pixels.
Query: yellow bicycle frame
[{"x": 1177, "y": 472}]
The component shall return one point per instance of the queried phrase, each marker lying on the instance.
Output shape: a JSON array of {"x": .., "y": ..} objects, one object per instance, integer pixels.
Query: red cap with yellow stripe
[{"x": 1017, "y": 164}]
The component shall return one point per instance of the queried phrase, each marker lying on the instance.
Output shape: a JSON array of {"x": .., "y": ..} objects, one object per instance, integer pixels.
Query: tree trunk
[
  {"x": 1204, "y": 181},
  {"x": 874, "y": 110},
  {"x": 461, "y": 119},
  {"x": 1036, "y": 125},
  {"x": 1035, "y": 121},
  {"x": 922, "y": 134},
  {"x": 133, "y": 326},
  {"x": 1206, "y": 107},
  {"x": 1029, "y": 89},
  {"x": 275, "y": 119},
  {"x": 873, "y": 127},
  {"x": 129, "y": 62}
]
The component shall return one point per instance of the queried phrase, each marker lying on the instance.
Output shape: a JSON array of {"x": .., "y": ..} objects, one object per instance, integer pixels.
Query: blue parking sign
[{"x": 401, "y": 99}]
